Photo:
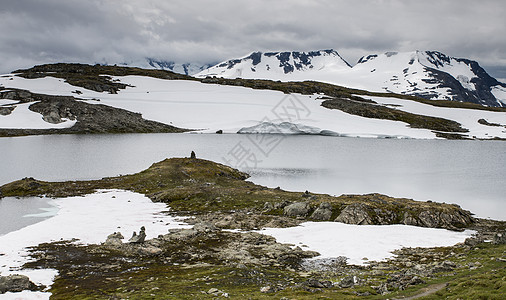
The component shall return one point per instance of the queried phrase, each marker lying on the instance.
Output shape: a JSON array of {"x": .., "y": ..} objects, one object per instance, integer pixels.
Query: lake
[{"x": 469, "y": 173}]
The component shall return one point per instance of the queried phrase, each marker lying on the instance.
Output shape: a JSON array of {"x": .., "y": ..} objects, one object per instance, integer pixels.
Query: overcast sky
[{"x": 115, "y": 31}]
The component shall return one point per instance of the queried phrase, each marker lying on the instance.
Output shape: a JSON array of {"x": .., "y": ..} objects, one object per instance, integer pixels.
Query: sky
[{"x": 127, "y": 31}]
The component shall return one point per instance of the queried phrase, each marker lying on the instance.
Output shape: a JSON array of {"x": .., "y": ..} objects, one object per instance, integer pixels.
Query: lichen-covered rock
[
  {"x": 323, "y": 212},
  {"x": 355, "y": 214},
  {"x": 298, "y": 209},
  {"x": 16, "y": 283}
]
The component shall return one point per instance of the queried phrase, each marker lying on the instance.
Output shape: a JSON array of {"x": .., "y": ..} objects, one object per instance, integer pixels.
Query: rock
[
  {"x": 472, "y": 241},
  {"x": 205, "y": 227},
  {"x": 192, "y": 155},
  {"x": 323, "y": 212},
  {"x": 6, "y": 110},
  {"x": 382, "y": 289},
  {"x": 445, "y": 266},
  {"x": 268, "y": 206},
  {"x": 298, "y": 209},
  {"x": 52, "y": 117},
  {"x": 347, "y": 282},
  {"x": 138, "y": 238},
  {"x": 16, "y": 283},
  {"x": 213, "y": 291},
  {"x": 355, "y": 214},
  {"x": 219, "y": 131},
  {"x": 114, "y": 239},
  {"x": 315, "y": 283},
  {"x": 267, "y": 289},
  {"x": 401, "y": 281},
  {"x": 499, "y": 238},
  {"x": 409, "y": 220}
]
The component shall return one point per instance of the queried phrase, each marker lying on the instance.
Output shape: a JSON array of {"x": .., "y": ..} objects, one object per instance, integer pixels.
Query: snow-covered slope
[
  {"x": 213, "y": 107},
  {"x": 429, "y": 74}
]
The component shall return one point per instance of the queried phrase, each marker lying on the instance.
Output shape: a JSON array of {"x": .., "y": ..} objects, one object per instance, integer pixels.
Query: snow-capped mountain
[
  {"x": 279, "y": 65},
  {"x": 181, "y": 68},
  {"x": 428, "y": 74},
  {"x": 186, "y": 68}
]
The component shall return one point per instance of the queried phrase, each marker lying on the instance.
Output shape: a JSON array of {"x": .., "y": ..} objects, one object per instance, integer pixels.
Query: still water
[{"x": 469, "y": 173}]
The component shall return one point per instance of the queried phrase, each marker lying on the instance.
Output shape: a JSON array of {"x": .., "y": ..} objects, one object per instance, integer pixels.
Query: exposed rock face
[
  {"x": 16, "y": 283},
  {"x": 323, "y": 212},
  {"x": 299, "y": 209},
  {"x": 436, "y": 219},
  {"x": 355, "y": 214}
]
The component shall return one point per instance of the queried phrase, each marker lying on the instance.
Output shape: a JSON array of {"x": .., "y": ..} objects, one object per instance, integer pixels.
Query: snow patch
[
  {"x": 23, "y": 118},
  {"x": 90, "y": 219},
  {"x": 374, "y": 242},
  {"x": 499, "y": 93}
]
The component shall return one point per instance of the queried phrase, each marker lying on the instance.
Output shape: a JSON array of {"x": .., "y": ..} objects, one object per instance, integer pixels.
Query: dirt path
[{"x": 431, "y": 289}]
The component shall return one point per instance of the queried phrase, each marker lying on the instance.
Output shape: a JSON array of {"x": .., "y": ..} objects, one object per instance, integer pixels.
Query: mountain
[
  {"x": 180, "y": 68},
  {"x": 186, "y": 68},
  {"x": 78, "y": 99},
  {"x": 279, "y": 65},
  {"x": 428, "y": 74}
]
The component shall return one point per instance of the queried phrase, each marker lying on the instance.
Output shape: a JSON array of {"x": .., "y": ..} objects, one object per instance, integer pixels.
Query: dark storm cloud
[{"x": 208, "y": 31}]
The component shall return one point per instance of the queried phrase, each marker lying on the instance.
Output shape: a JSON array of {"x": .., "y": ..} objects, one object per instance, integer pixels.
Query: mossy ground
[{"x": 89, "y": 272}]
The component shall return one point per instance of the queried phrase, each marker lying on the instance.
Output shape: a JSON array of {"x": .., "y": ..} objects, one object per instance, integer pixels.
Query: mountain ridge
[{"x": 427, "y": 74}]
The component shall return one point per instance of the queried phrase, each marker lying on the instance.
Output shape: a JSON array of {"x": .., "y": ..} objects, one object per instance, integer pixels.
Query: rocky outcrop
[
  {"x": 91, "y": 118},
  {"x": 6, "y": 110},
  {"x": 355, "y": 214},
  {"x": 16, "y": 283},
  {"x": 298, "y": 209},
  {"x": 204, "y": 242},
  {"x": 323, "y": 212}
]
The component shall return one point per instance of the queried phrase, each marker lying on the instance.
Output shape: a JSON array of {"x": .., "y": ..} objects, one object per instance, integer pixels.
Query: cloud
[{"x": 210, "y": 31}]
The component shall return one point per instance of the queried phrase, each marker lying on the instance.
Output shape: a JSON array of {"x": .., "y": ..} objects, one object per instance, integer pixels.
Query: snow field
[
  {"x": 356, "y": 242},
  {"x": 90, "y": 219},
  {"x": 211, "y": 107}
]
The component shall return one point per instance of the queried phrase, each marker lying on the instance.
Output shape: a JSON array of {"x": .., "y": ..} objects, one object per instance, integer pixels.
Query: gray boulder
[
  {"x": 16, "y": 283},
  {"x": 298, "y": 209},
  {"x": 114, "y": 239},
  {"x": 355, "y": 214},
  {"x": 347, "y": 282},
  {"x": 323, "y": 212}
]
